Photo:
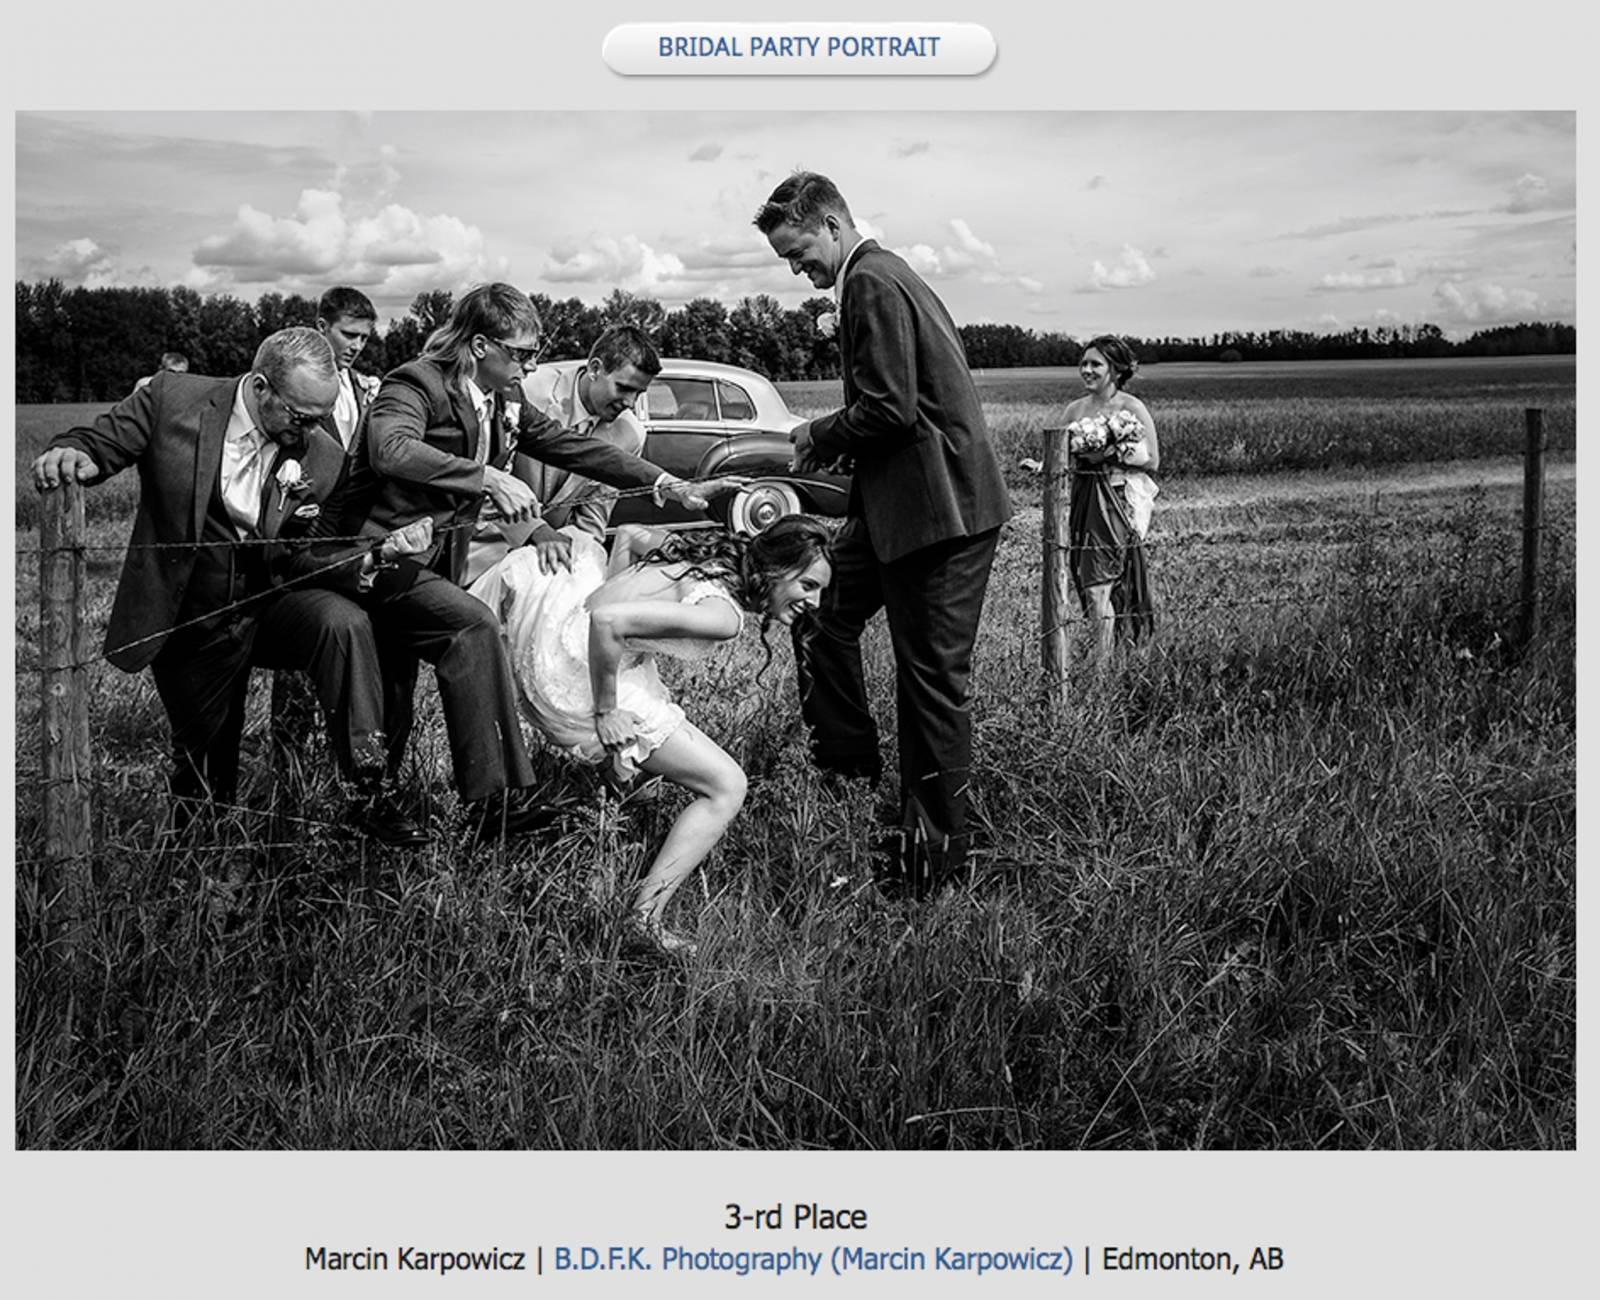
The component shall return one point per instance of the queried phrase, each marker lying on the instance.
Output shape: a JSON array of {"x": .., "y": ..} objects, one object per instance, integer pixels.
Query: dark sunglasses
[{"x": 522, "y": 356}]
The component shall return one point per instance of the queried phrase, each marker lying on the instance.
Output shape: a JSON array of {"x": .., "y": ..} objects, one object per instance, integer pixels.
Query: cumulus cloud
[
  {"x": 1131, "y": 269},
  {"x": 392, "y": 249},
  {"x": 79, "y": 262},
  {"x": 706, "y": 153},
  {"x": 1376, "y": 277},
  {"x": 1485, "y": 304},
  {"x": 1529, "y": 193},
  {"x": 624, "y": 260},
  {"x": 966, "y": 255}
]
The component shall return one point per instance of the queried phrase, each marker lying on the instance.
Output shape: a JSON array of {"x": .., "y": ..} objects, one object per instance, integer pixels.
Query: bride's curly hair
[{"x": 749, "y": 567}]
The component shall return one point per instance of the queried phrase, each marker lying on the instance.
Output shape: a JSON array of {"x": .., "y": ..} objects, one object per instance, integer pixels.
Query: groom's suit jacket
[
  {"x": 172, "y": 431},
  {"x": 419, "y": 455},
  {"x": 925, "y": 471}
]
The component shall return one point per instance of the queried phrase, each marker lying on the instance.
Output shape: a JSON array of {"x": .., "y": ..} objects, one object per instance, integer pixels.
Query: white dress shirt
[
  {"x": 483, "y": 404},
  {"x": 247, "y": 455},
  {"x": 346, "y": 410}
]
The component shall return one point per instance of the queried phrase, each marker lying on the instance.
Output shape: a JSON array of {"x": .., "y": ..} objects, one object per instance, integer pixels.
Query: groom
[{"x": 926, "y": 503}]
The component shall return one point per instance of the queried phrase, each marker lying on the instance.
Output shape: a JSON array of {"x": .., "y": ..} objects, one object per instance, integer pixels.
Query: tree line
[{"x": 91, "y": 345}]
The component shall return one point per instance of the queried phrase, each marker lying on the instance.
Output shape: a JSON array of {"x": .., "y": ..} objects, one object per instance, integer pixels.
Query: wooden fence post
[
  {"x": 64, "y": 713},
  {"x": 1532, "y": 520},
  {"x": 1057, "y": 579}
]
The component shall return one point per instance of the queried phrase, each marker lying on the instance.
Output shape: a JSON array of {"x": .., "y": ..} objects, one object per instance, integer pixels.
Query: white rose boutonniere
[
  {"x": 292, "y": 481},
  {"x": 828, "y": 324}
]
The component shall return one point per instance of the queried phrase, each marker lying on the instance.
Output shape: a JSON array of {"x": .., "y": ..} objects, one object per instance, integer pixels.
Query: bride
[{"x": 583, "y": 641}]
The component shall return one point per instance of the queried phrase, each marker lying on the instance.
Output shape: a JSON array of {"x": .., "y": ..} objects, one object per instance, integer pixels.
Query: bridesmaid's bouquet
[{"x": 1110, "y": 433}]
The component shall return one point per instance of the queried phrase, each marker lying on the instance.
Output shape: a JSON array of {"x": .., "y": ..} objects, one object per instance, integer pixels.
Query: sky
[{"x": 1144, "y": 223}]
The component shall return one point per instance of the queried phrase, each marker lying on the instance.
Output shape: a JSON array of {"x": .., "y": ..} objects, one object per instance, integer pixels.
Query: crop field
[{"x": 1298, "y": 874}]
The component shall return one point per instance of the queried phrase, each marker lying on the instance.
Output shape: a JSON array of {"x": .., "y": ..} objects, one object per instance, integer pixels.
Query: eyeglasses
[
  {"x": 522, "y": 356},
  {"x": 300, "y": 419}
]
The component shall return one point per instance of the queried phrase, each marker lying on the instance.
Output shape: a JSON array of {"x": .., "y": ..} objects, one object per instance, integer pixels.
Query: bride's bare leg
[{"x": 693, "y": 760}]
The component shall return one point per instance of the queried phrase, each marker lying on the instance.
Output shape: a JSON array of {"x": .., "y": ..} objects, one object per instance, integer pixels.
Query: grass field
[{"x": 1298, "y": 875}]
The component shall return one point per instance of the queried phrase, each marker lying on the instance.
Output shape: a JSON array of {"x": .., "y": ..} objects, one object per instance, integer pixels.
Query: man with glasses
[
  {"x": 227, "y": 469},
  {"x": 437, "y": 433},
  {"x": 594, "y": 401}
]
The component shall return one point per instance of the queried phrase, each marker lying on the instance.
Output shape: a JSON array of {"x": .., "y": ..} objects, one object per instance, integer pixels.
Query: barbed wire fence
[{"x": 67, "y": 777}]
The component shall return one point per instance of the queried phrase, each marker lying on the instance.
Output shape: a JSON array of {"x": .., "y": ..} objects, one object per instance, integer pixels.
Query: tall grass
[
  {"x": 1331, "y": 415},
  {"x": 1299, "y": 874}
]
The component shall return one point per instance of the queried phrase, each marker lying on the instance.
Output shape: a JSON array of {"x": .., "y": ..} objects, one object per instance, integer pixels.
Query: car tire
[{"x": 757, "y": 504}]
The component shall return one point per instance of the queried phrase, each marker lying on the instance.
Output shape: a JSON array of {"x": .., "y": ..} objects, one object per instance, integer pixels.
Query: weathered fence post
[
  {"x": 1532, "y": 520},
  {"x": 1057, "y": 580},
  {"x": 64, "y": 713}
]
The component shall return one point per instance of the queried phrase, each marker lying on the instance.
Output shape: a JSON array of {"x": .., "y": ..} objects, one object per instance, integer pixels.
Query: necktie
[{"x": 242, "y": 482}]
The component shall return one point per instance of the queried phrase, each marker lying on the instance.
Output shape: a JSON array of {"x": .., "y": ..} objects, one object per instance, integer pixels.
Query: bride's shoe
[{"x": 656, "y": 938}]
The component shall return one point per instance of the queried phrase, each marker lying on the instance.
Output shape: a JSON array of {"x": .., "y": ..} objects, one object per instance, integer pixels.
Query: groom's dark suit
[
  {"x": 926, "y": 503},
  {"x": 420, "y": 456},
  {"x": 186, "y": 569}
]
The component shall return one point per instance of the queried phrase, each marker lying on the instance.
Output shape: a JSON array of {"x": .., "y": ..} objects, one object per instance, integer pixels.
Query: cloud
[
  {"x": 1529, "y": 193},
  {"x": 1482, "y": 303},
  {"x": 1380, "y": 276},
  {"x": 965, "y": 256},
  {"x": 908, "y": 148},
  {"x": 1348, "y": 225},
  {"x": 79, "y": 262},
  {"x": 1443, "y": 266},
  {"x": 1131, "y": 269},
  {"x": 706, "y": 153},
  {"x": 392, "y": 250},
  {"x": 1097, "y": 183}
]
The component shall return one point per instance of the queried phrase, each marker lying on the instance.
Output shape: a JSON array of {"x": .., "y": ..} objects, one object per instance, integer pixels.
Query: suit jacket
[
  {"x": 419, "y": 456},
  {"x": 172, "y": 431},
  {"x": 925, "y": 471}
]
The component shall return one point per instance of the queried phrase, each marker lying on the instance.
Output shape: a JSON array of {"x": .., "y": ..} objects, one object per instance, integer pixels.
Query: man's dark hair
[
  {"x": 174, "y": 361},
  {"x": 801, "y": 201},
  {"x": 342, "y": 300},
  {"x": 626, "y": 345}
]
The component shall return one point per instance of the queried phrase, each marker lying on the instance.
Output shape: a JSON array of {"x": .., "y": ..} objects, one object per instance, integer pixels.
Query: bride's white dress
[{"x": 544, "y": 618}]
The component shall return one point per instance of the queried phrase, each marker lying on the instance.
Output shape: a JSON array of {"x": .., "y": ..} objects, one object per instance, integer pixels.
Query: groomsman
[
  {"x": 927, "y": 499},
  {"x": 347, "y": 318},
  {"x": 436, "y": 435},
  {"x": 595, "y": 401},
  {"x": 226, "y": 465}
]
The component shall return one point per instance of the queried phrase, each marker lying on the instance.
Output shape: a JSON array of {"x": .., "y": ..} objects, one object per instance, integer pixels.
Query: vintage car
[{"x": 703, "y": 419}]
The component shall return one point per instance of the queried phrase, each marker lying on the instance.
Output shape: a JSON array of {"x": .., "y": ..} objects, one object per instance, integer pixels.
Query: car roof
[{"x": 673, "y": 366}]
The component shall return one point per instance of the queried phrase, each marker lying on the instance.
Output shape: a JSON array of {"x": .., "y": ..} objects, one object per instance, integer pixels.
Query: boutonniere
[
  {"x": 511, "y": 417},
  {"x": 293, "y": 481},
  {"x": 828, "y": 324}
]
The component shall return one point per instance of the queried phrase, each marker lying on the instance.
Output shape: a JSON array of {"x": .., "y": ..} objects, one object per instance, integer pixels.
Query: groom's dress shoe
[
  {"x": 380, "y": 817},
  {"x": 510, "y": 813}
]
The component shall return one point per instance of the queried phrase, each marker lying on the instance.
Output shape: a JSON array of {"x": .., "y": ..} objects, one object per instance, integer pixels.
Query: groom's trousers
[{"x": 932, "y": 601}]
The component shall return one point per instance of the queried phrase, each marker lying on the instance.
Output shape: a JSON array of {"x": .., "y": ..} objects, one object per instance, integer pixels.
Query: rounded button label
[{"x": 891, "y": 49}]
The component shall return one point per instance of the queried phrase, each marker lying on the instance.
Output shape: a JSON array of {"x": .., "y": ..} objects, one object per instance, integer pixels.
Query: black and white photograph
[{"x": 704, "y": 631}]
